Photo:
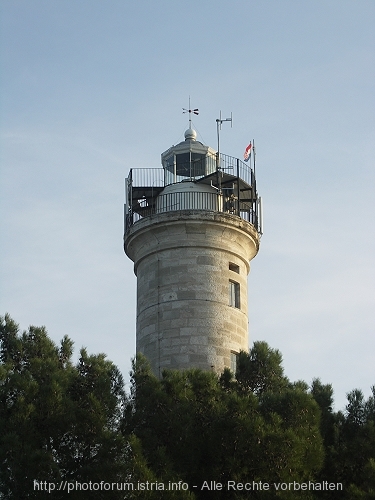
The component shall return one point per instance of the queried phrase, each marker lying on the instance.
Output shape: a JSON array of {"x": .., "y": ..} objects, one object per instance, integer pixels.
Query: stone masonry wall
[{"x": 181, "y": 260}]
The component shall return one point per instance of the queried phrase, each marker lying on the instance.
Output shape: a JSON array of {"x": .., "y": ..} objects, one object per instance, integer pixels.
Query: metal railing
[
  {"x": 236, "y": 167},
  {"x": 188, "y": 200},
  {"x": 152, "y": 201},
  {"x": 153, "y": 177},
  {"x": 191, "y": 201},
  {"x": 156, "y": 176}
]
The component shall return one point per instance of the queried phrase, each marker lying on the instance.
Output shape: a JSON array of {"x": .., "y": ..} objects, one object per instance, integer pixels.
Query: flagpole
[
  {"x": 255, "y": 186},
  {"x": 255, "y": 178}
]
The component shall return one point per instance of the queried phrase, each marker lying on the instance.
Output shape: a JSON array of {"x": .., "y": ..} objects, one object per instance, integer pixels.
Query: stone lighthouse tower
[{"x": 191, "y": 229}]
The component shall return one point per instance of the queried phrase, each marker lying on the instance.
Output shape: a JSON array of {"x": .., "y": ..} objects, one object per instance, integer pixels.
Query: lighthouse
[{"x": 191, "y": 228}]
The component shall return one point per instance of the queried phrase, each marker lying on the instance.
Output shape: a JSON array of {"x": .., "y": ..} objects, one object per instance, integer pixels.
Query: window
[
  {"x": 234, "y": 268},
  {"x": 191, "y": 164},
  {"x": 234, "y": 294},
  {"x": 233, "y": 361}
]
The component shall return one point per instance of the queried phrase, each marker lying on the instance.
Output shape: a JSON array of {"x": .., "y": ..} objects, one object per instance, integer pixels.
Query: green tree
[
  {"x": 59, "y": 422},
  {"x": 329, "y": 421},
  {"x": 349, "y": 439},
  {"x": 323, "y": 395},
  {"x": 260, "y": 370},
  {"x": 195, "y": 427},
  {"x": 357, "y": 446},
  {"x": 62, "y": 423}
]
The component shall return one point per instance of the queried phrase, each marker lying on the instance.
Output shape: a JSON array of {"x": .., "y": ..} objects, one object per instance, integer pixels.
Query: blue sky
[{"x": 90, "y": 89}]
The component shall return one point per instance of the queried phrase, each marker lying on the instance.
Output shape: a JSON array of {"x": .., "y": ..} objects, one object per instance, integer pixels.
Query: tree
[
  {"x": 323, "y": 395},
  {"x": 260, "y": 370},
  {"x": 196, "y": 427},
  {"x": 64, "y": 423},
  {"x": 349, "y": 439},
  {"x": 59, "y": 422},
  {"x": 357, "y": 446}
]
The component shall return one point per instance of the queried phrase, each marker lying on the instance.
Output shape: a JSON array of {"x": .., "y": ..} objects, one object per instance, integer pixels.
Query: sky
[{"x": 90, "y": 89}]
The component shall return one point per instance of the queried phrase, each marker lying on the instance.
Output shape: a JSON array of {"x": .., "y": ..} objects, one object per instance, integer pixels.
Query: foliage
[
  {"x": 199, "y": 428},
  {"x": 59, "y": 422},
  {"x": 260, "y": 370},
  {"x": 64, "y": 423},
  {"x": 349, "y": 440}
]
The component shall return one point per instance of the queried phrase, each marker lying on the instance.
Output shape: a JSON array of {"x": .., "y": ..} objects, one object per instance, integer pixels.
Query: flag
[{"x": 247, "y": 152}]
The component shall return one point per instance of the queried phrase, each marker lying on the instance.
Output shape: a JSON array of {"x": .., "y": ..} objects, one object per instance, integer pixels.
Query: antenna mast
[{"x": 219, "y": 122}]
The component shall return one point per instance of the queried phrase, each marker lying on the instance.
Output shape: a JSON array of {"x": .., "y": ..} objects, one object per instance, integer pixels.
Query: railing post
[
  {"x": 130, "y": 188},
  {"x": 238, "y": 188}
]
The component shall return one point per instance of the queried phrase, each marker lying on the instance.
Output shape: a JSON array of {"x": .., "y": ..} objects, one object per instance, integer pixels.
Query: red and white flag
[{"x": 247, "y": 152}]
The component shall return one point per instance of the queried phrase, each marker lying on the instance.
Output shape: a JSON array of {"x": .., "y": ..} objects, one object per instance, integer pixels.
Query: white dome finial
[{"x": 190, "y": 135}]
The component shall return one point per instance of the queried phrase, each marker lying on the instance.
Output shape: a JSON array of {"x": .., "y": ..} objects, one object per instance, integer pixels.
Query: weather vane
[{"x": 195, "y": 111}]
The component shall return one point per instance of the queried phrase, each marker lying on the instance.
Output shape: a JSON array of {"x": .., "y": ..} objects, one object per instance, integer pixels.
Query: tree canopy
[
  {"x": 59, "y": 422},
  {"x": 197, "y": 427},
  {"x": 65, "y": 424}
]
